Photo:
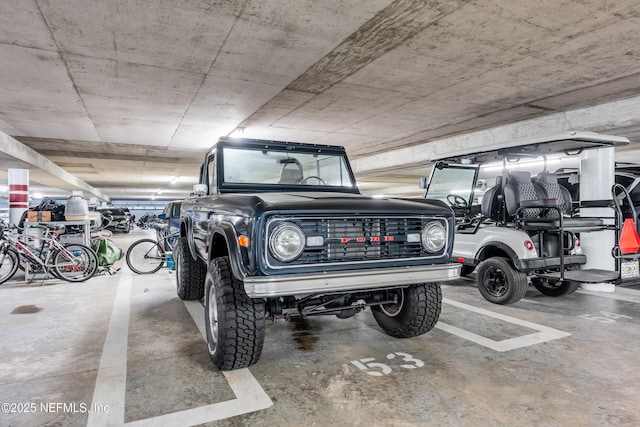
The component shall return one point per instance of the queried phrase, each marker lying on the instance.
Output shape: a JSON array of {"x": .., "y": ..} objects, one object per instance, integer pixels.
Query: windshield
[
  {"x": 251, "y": 166},
  {"x": 452, "y": 184}
]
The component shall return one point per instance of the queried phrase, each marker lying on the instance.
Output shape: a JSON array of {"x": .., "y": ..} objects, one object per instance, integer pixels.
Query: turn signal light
[{"x": 243, "y": 241}]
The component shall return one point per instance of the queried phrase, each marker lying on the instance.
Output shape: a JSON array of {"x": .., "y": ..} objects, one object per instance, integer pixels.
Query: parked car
[
  {"x": 171, "y": 215},
  {"x": 278, "y": 229},
  {"x": 116, "y": 219},
  {"x": 170, "y": 223},
  {"x": 147, "y": 220}
]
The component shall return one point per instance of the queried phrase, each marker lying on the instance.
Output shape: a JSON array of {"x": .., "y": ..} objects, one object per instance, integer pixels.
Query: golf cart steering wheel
[
  {"x": 457, "y": 201},
  {"x": 320, "y": 180}
]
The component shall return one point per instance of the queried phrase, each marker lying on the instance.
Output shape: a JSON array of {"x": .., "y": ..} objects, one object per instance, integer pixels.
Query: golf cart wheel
[
  {"x": 555, "y": 288},
  {"x": 499, "y": 282}
]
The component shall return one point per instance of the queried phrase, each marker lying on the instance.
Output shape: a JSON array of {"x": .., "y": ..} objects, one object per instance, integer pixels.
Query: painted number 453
[{"x": 376, "y": 369}]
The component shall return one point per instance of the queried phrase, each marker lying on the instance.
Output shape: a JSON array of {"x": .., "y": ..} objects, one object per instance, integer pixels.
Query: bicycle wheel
[
  {"x": 145, "y": 256},
  {"x": 9, "y": 263},
  {"x": 75, "y": 263}
]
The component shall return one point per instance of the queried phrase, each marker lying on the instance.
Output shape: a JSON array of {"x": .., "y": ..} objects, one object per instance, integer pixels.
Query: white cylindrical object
[
  {"x": 77, "y": 208},
  {"x": 597, "y": 176},
  {"x": 18, "y": 193}
]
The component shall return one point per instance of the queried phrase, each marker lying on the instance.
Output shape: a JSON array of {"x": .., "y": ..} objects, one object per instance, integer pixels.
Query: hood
[{"x": 309, "y": 202}]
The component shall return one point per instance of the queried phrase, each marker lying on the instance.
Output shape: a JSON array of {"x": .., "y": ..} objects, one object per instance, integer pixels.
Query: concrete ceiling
[{"x": 127, "y": 95}]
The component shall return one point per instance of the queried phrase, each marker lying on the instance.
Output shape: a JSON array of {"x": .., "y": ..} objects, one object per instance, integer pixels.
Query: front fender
[
  {"x": 186, "y": 230},
  {"x": 224, "y": 241}
]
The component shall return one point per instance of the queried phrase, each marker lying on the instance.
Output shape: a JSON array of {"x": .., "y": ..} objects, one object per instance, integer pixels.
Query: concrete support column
[
  {"x": 18, "y": 193},
  {"x": 597, "y": 168}
]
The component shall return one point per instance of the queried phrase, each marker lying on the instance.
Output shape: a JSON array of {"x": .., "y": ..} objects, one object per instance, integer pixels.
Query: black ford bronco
[{"x": 277, "y": 229}]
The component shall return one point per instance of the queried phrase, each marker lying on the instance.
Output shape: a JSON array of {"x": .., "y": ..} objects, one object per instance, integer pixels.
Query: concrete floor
[{"x": 124, "y": 349}]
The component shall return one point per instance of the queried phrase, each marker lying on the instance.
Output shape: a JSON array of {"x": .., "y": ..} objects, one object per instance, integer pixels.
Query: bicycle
[
  {"x": 146, "y": 256},
  {"x": 72, "y": 262}
]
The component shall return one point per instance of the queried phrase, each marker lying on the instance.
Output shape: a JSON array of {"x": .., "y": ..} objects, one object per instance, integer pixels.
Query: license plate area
[{"x": 629, "y": 270}]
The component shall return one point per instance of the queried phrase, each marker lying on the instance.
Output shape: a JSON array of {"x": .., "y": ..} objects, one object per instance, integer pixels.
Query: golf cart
[{"x": 525, "y": 229}]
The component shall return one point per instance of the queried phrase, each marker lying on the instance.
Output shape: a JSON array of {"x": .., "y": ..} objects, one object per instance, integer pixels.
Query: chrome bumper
[{"x": 293, "y": 284}]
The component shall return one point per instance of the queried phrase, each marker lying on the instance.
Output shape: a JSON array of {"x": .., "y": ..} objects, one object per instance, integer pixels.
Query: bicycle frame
[
  {"x": 41, "y": 257},
  {"x": 26, "y": 253},
  {"x": 171, "y": 239},
  {"x": 146, "y": 256}
]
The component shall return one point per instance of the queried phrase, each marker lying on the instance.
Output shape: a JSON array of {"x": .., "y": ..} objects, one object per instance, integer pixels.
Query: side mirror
[
  {"x": 162, "y": 216},
  {"x": 423, "y": 182},
  {"x": 200, "y": 189}
]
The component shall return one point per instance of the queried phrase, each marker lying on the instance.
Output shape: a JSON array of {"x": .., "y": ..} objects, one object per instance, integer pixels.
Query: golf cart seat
[
  {"x": 548, "y": 186},
  {"x": 526, "y": 203},
  {"x": 521, "y": 196},
  {"x": 538, "y": 206},
  {"x": 491, "y": 201}
]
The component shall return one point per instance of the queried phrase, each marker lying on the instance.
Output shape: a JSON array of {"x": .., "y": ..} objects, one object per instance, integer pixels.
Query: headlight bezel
[
  {"x": 275, "y": 241},
  {"x": 431, "y": 231}
]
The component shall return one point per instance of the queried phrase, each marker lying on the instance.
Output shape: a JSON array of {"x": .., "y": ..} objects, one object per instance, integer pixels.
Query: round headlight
[
  {"x": 434, "y": 237},
  {"x": 286, "y": 242}
]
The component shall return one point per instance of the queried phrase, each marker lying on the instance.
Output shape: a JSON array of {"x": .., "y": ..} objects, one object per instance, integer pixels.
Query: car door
[{"x": 203, "y": 207}]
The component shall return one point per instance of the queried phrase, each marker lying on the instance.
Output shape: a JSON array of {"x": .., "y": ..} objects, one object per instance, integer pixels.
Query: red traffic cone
[{"x": 629, "y": 239}]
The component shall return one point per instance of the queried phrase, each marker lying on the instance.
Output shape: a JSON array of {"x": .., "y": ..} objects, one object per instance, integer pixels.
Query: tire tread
[
  {"x": 192, "y": 272},
  {"x": 241, "y": 338},
  {"x": 517, "y": 281},
  {"x": 418, "y": 316}
]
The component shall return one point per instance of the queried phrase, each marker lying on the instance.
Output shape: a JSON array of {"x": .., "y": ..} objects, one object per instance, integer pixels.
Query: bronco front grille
[{"x": 356, "y": 239}]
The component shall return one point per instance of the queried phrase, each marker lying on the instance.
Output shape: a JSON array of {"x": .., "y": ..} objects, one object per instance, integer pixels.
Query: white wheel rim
[
  {"x": 213, "y": 318},
  {"x": 393, "y": 310}
]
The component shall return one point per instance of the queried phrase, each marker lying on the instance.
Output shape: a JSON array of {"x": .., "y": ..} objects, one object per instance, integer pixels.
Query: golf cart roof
[{"x": 570, "y": 143}]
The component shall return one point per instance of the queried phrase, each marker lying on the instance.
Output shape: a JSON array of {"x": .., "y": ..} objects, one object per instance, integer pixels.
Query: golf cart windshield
[{"x": 452, "y": 184}]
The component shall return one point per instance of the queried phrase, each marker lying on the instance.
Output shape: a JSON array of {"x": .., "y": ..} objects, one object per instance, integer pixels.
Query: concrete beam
[
  {"x": 599, "y": 118},
  {"x": 17, "y": 150}
]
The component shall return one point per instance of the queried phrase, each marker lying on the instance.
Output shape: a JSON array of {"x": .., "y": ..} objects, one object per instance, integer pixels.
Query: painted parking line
[
  {"x": 620, "y": 294},
  {"x": 544, "y": 333},
  {"x": 111, "y": 380}
]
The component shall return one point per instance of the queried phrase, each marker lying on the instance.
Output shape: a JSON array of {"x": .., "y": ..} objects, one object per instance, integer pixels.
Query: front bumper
[{"x": 337, "y": 281}]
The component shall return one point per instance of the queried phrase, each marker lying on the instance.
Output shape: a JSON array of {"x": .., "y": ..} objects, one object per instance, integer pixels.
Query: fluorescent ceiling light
[{"x": 517, "y": 165}]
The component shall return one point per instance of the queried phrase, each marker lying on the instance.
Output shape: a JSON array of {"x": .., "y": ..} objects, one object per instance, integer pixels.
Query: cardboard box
[{"x": 39, "y": 216}]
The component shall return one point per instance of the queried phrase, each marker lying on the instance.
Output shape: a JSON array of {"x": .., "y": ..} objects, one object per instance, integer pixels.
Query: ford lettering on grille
[{"x": 356, "y": 240}]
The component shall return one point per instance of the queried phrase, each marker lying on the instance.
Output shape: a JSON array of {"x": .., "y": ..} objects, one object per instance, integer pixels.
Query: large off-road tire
[
  {"x": 416, "y": 312},
  {"x": 553, "y": 289},
  {"x": 499, "y": 282},
  {"x": 190, "y": 273},
  {"x": 234, "y": 322}
]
